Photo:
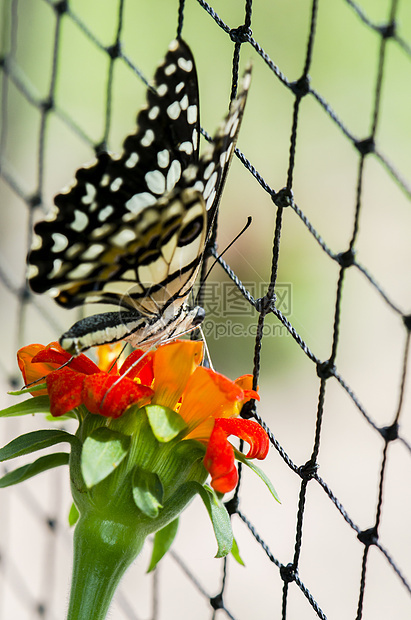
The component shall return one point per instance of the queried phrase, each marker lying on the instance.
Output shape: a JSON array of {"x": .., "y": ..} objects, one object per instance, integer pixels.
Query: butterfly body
[
  {"x": 131, "y": 231},
  {"x": 132, "y": 327}
]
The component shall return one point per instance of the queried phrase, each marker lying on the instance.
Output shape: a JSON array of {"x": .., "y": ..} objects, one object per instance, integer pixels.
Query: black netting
[{"x": 314, "y": 297}]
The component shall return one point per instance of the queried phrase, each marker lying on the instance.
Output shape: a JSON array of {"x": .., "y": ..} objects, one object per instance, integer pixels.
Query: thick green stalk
[
  {"x": 114, "y": 520},
  {"x": 103, "y": 550}
]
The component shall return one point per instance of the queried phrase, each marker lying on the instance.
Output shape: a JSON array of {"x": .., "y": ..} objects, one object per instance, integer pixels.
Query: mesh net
[{"x": 313, "y": 297}]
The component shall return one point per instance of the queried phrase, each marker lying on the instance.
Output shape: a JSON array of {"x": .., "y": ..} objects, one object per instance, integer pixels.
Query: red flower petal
[
  {"x": 219, "y": 462},
  {"x": 143, "y": 370},
  {"x": 102, "y": 394},
  {"x": 64, "y": 388},
  {"x": 250, "y": 431},
  {"x": 55, "y": 354},
  {"x": 245, "y": 382},
  {"x": 249, "y": 394},
  {"x": 219, "y": 457}
]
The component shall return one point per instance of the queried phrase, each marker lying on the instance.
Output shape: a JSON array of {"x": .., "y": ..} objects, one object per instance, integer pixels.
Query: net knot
[
  {"x": 61, "y": 7},
  {"x": 389, "y": 433},
  {"x": 25, "y": 294},
  {"x": 242, "y": 34},
  {"x": 248, "y": 410},
  {"x": 265, "y": 304},
  {"x": 325, "y": 370},
  {"x": 365, "y": 146},
  {"x": 51, "y": 524},
  {"x": 283, "y": 198},
  {"x": 47, "y": 104},
  {"x": 211, "y": 249},
  {"x": 14, "y": 382},
  {"x": 407, "y": 321},
  {"x": 301, "y": 87},
  {"x": 34, "y": 200},
  {"x": 216, "y": 602},
  {"x": 308, "y": 470},
  {"x": 368, "y": 537},
  {"x": 100, "y": 150},
  {"x": 288, "y": 573},
  {"x": 232, "y": 505},
  {"x": 346, "y": 259},
  {"x": 114, "y": 50},
  {"x": 388, "y": 30}
]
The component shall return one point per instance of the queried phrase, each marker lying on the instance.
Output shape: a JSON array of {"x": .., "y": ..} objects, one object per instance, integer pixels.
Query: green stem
[{"x": 103, "y": 550}]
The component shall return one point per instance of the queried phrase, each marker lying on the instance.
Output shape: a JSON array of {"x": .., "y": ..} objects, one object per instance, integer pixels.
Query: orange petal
[
  {"x": 104, "y": 396},
  {"x": 64, "y": 388},
  {"x": 107, "y": 356},
  {"x": 33, "y": 373},
  {"x": 209, "y": 394},
  {"x": 203, "y": 431},
  {"x": 234, "y": 409},
  {"x": 245, "y": 382},
  {"x": 174, "y": 364}
]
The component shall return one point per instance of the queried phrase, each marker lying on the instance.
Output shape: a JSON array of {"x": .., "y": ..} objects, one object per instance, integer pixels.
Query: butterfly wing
[
  {"x": 100, "y": 228},
  {"x": 132, "y": 230},
  {"x": 164, "y": 249},
  {"x": 209, "y": 175},
  {"x": 151, "y": 296}
]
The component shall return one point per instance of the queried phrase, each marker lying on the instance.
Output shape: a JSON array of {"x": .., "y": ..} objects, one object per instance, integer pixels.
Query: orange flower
[
  {"x": 36, "y": 361},
  {"x": 172, "y": 377},
  {"x": 209, "y": 403},
  {"x": 82, "y": 383}
]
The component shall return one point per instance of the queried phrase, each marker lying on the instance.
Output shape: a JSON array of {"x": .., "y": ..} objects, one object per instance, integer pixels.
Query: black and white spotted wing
[{"x": 131, "y": 230}]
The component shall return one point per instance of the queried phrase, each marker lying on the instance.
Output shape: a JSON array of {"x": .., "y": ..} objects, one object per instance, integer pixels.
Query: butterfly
[{"x": 132, "y": 229}]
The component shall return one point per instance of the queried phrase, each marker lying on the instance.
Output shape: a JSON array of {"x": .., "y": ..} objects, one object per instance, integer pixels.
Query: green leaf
[
  {"x": 31, "y": 442},
  {"x": 103, "y": 451},
  {"x": 73, "y": 515},
  {"x": 240, "y": 457},
  {"x": 62, "y": 418},
  {"x": 163, "y": 540},
  {"x": 219, "y": 518},
  {"x": 147, "y": 492},
  {"x": 37, "y": 404},
  {"x": 165, "y": 423},
  {"x": 29, "y": 390},
  {"x": 235, "y": 552},
  {"x": 32, "y": 469}
]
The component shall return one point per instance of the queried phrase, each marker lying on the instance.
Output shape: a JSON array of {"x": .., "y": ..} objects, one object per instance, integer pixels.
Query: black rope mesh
[{"x": 325, "y": 327}]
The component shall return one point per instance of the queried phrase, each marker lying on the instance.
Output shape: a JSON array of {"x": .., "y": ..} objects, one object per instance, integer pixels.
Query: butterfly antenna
[
  {"x": 158, "y": 307},
  {"x": 248, "y": 224},
  {"x": 161, "y": 341},
  {"x": 117, "y": 358},
  {"x": 41, "y": 378},
  {"x": 125, "y": 373}
]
